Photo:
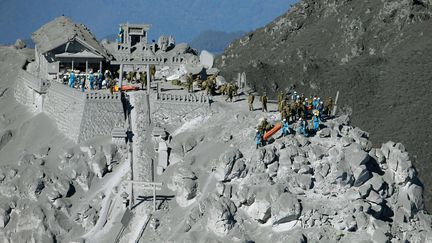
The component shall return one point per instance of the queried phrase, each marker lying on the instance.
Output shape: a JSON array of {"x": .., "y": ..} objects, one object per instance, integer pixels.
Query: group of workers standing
[
  {"x": 308, "y": 111},
  {"x": 95, "y": 80}
]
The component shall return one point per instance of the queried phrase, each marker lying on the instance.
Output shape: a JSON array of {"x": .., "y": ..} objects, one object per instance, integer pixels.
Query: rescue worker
[
  {"x": 91, "y": 80},
  {"x": 111, "y": 83},
  {"x": 71, "y": 79},
  {"x": 307, "y": 107},
  {"x": 264, "y": 102},
  {"x": 258, "y": 138},
  {"x": 222, "y": 89},
  {"x": 303, "y": 127},
  {"x": 329, "y": 106},
  {"x": 189, "y": 83},
  {"x": 83, "y": 83},
  {"x": 288, "y": 112},
  {"x": 302, "y": 98},
  {"x": 107, "y": 75},
  {"x": 263, "y": 125},
  {"x": 315, "y": 120},
  {"x": 230, "y": 93},
  {"x": 119, "y": 38},
  {"x": 315, "y": 102},
  {"x": 251, "y": 99},
  {"x": 235, "y": 89},
  {"x": 280, "y": 98},
  {"x": 294, "y": 96},
  {"x": 100, "y": 79},
  {"x": 143, "y": 80},
  {"x": 153, "y": 72},
  {"x": 320, "y": 109},
  {"x": 285, "y": 128},
  {"x": 209, "y": 86}
]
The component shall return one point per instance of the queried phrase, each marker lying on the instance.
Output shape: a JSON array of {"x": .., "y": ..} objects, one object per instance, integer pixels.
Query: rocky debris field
[
  {"x": 334, "y": 186},
  {"x": 376, "y": 53}
]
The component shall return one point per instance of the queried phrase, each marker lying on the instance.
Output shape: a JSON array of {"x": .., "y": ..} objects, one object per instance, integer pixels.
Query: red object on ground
[
  {"x": 126, "y": 88},
  {"x": 129, "y": 87},
  {"x": 270, "y": 133}
]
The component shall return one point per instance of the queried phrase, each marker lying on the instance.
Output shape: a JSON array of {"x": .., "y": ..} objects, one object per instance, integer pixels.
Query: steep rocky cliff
[{"x": 376, "y": 53}]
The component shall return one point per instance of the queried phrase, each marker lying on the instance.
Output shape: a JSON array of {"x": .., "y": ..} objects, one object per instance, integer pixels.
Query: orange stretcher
[
  {"x": 126, "y": 88},
  {"x": 270, "y": 133}
]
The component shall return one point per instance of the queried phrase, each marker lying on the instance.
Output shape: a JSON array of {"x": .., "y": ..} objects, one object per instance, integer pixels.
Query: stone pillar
[
  {"x": 121, "y": 77},
  {"x": 148, "y": 78}
]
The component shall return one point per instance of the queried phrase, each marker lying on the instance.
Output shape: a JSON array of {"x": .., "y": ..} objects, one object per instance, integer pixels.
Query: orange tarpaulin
[
  {"x": 126, "y": 88},
  {"x": 270, "y": 133}
]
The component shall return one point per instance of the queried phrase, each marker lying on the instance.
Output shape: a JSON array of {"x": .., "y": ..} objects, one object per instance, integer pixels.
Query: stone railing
[
  {"x": 184, "y": 99},
  {"x": 103, "y": 96}
]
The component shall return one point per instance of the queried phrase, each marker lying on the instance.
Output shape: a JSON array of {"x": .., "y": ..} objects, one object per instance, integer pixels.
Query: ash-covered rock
[
  {"x": 184, "y": 183},
  {"x": 336, "y": 182}
]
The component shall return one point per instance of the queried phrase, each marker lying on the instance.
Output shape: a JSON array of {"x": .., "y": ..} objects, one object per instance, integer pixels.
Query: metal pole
[
  {"x": 72, "y": 65},
  {"x": 86, "y": 67},
  {"x": 100, "y": 66}
]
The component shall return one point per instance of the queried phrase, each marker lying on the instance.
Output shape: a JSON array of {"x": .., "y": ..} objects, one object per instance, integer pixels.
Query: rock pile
[{"x": 334, "y": 181}]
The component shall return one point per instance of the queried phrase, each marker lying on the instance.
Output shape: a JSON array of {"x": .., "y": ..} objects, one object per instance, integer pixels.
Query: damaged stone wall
[
  {"x": 66, "y": 107},
  {"x": 102, "y": 112},
  {"x": 79, "y": 116}
]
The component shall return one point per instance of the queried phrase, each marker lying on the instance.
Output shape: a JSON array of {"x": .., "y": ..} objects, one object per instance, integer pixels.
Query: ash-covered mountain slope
[{"x": 376, "y": 53}]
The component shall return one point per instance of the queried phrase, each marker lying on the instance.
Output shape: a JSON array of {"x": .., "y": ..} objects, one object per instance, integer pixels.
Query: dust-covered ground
[
  {"x": 376, "y": 53},
  {"x": 330, "y": 186}
]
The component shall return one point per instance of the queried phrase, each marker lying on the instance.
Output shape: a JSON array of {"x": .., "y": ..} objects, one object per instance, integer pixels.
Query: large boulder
[
  {"x": 99, "y": 164},
  {"x": 184, "y": 183},
  {"x": 206, "y": 59},
  {"x": 260, "y": 210},
  {"x": 285, "y": 209},
  {"x": 224, "y": 166},
  {"x": 5, "y": 211},
  {"x": 221, "y": 216}
]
